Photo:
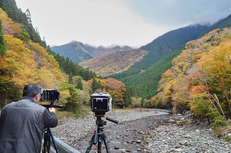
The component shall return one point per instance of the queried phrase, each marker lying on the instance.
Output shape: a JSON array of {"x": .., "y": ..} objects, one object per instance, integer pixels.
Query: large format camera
[
  {"x": 50, "y": 95},
  {"x": 101, "y": 103}
]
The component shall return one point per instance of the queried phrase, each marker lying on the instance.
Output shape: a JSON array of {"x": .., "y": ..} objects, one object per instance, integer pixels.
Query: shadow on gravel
[{"x": 127, "y": 136}]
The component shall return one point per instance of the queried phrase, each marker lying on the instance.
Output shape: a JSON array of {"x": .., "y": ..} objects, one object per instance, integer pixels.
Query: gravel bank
[
  {"x": 72, "y": 129},
  {"x": 173, "y": 138},
  {"x": 142, "y": 131}
]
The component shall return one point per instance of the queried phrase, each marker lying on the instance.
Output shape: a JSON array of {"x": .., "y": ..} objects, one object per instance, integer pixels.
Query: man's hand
[{"x": 52, "y": 109}]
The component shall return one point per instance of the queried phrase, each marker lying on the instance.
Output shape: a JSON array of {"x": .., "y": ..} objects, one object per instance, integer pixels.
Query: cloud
[
  {"x": 123, "y": 22},
  {"x": 101, "y": 22},
  {"x": 178, "y": 13}
]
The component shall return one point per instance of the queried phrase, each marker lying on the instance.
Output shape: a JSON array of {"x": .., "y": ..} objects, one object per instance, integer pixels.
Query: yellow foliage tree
[{"x": 23, "y": 65}]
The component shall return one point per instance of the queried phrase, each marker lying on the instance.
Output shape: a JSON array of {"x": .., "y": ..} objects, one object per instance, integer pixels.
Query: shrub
[{"x": 219, "y": 121}]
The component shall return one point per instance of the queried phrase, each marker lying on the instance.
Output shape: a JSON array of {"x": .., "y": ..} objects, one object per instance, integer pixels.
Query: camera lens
[{"x": 99, "y": 100}]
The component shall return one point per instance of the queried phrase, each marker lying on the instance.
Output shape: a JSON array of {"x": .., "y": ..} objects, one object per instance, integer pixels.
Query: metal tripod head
[{"x": 100, "y": 122}]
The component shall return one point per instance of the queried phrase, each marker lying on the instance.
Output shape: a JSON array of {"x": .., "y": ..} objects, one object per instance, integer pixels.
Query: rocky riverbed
[{"x": 142, "y": 130}]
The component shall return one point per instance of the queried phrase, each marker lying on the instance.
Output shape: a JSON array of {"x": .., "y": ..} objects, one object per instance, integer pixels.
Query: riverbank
[
  {"x": 142, "y": 130},
  {"x": 71, "y": 129}
]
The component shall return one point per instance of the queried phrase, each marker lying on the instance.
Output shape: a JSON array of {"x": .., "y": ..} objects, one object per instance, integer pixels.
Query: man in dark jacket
[{"x": 22, "y": 122}]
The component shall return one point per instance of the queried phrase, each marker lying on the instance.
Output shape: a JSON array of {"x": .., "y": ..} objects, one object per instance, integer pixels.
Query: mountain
[
  {"x": 101, "y": 50},
  {"x": 75, "y": 51},
  {"x": 79, "y": 52},
  {"x": 162, "y": 46},
  {"x": 146, "y": 84},
  {"x": 114, "y": 62},
  {"x": 199, "y": 76}
]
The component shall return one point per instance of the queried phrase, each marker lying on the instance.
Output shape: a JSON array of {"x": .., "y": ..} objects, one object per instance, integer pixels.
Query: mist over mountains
[{"x": 79, "y": 52}]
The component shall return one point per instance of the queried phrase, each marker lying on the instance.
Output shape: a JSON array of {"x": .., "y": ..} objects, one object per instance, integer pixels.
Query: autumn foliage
[
  {"x": 113, "y": 87},
  {"x": 28, "y": 63},
  {"x": 23, "y": 62},
  {"x": 115, "y": 62},
  {"x": 199, "y": 78}
]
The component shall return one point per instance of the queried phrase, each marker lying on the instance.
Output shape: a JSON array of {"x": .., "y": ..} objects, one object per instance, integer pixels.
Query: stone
[
  {"x": 171, "y": 121},
  {"x": 138, "y": 141},
  {"x": 179, "y": 123},
  {"x": 141, "y": 132}
]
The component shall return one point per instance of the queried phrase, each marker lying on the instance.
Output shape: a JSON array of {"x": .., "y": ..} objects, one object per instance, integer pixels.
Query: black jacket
[{"x": 21, "y": 126}]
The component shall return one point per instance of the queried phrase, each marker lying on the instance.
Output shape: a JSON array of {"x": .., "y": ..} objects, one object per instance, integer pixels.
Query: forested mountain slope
[
  {"x": 114, "y": 62},
  {"x": 16, "y": 14},
  {"x": 23, "y": 61},
  {"x": 79, "y": 52},
  {"x": 199, "y": 78},
  {"x": 162, "y": 46},
  {"x": 145, "y": 84}
]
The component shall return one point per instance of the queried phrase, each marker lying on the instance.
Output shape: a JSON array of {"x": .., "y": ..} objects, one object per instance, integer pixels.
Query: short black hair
[{"x": 32, "y": 90}]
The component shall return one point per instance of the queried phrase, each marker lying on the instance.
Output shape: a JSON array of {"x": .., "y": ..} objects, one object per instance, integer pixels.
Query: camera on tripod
[
  {"x": 101, "y": 103},
  {"x": 50, "y": 95}
]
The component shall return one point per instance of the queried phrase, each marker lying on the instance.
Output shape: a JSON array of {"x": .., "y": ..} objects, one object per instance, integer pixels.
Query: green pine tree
[
  {"x": 70, "y": 80},
  {"x": 95, "y": 85},
  {"x": 127, "y": 97},
  {"x": 79, "y": 84},
  {"x": 88, "y": 76}
]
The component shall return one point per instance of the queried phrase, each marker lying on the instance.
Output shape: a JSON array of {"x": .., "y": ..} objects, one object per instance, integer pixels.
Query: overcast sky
[{"x": 118, "y": 22}]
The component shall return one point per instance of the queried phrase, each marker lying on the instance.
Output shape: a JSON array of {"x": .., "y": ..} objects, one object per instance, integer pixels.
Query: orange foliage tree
[
  {"x": 215, "y": 75},
  {"x": 115, "y": 88}
]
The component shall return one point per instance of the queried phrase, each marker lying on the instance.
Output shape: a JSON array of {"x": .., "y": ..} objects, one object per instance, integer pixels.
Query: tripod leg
[
  {"x": 52, "y": 138},
  {"x": 99, "y": 143},
  {"x": 46, "y": 141},
  {"x": 44, "y": 145},
  {"x": 105, "y": 142},
  {"x": 93, "y": 141}
]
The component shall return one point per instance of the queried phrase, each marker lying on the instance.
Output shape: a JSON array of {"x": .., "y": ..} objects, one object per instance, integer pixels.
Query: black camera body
[
  {"x": 50, "y": 95},
  {"x": 101, "y": 103}
]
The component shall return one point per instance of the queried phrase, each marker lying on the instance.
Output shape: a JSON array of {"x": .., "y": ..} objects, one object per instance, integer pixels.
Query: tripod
[
  {"x": 48, "y": 136},
  {"x": 99, "y": 134}
]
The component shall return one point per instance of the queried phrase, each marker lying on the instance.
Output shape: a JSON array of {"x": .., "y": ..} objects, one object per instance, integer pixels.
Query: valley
[{"x": 115, "y": 62}]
